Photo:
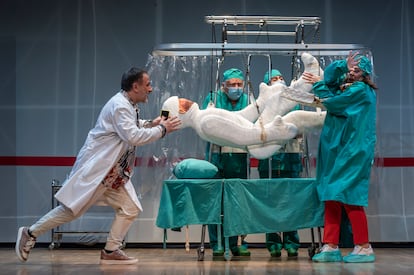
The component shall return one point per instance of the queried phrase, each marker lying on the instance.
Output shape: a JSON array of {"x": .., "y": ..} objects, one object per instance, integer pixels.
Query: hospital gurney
[{"x": 241, "y": 206}]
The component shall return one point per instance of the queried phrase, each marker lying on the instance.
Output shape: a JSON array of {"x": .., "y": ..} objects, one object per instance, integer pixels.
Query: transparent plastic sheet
[
  {"x": 193, "y": 77},
  {"x": 185, "y": 77}
]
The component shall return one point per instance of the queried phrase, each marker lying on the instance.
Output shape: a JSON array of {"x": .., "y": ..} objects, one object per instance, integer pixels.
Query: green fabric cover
[
  {"x": 270, "y": 205},
  {"x": 185, "y": 202},
  {"x": 253, "y": 206},
  {"x": 195, "y": 169}
]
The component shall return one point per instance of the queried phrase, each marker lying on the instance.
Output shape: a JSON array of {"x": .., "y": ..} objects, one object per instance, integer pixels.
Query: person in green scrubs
[
  {"x": 346, "y": 153},
  {"x": 283, "y": 165},
  {"x": 231, "y": 162}
]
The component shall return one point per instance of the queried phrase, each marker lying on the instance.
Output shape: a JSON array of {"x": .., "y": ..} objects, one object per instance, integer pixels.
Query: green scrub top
[{"x": 347, "y": 140}]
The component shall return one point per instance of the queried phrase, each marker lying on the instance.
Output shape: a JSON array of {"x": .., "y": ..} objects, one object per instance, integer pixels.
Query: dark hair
[
  {"x": 367, "y": 80},
  {"x": 131, "y": 76}
]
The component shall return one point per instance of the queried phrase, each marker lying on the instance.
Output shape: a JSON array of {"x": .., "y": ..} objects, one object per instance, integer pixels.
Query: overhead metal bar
[
  {"x": 220, "y": 49},
  {"x": 244, "y": 26},
  {"x": 261, "y": 33},
  {"x": 262, "y": 20}
]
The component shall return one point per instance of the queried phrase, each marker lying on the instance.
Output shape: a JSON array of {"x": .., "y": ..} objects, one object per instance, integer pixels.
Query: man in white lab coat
[{"x": 103, "y": 169}]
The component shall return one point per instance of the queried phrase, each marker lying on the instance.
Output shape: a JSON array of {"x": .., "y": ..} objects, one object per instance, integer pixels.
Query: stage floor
[{"x": 178, "y": 261}]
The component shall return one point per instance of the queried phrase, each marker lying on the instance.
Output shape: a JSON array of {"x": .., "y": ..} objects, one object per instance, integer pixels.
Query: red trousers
[{"x": 333, "y": 217}]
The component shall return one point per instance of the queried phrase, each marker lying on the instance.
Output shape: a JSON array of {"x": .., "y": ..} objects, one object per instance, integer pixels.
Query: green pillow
[{"x": 195, "y": 169}]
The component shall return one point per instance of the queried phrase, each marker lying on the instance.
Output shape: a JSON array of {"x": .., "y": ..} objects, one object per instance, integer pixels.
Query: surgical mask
[
  {"x": 280, "y": 81},
  {"x": 234, "y": 93}
]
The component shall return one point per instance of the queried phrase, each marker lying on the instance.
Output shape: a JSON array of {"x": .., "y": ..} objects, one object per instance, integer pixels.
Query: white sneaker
[
  {"x": 328, "y": 248},
  {"x": 359, "y": 250},
  {"x": 328, "y": 254},
  {"x": 360, "y": 255},
  {"x": 24, "y": 243},
  {"x": 117, "y": 257}
]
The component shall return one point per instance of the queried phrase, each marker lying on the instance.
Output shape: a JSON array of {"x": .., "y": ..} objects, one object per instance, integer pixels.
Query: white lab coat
[{"x": 115, "y": 131}]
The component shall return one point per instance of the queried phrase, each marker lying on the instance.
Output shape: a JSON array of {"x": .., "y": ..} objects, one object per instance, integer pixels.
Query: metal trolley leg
[
  {"x": 55, "y": 237},
  {"x": 313, "y": 248},
  {"x": 200, "y": 250},
  {"x": 57, "y": 233}
]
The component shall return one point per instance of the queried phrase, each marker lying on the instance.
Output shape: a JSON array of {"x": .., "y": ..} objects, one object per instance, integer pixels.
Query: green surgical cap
[
  {"x": 233, "y": 73},
  {"x": 272, "y": 74},
  {"x": 364, "y": 64}
]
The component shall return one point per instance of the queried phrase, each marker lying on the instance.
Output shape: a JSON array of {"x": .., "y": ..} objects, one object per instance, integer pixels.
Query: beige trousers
[{"x": 125, "y": 213}]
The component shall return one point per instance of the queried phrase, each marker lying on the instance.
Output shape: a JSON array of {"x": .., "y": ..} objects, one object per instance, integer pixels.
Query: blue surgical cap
[
  {"x": 364, "y": 64},
  {"x": 273, "y": 73},
  {"x": 233, "y": 73}
]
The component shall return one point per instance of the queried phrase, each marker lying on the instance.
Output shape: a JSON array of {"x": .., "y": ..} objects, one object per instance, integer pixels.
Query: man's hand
[{"x": 171, "y": 124}]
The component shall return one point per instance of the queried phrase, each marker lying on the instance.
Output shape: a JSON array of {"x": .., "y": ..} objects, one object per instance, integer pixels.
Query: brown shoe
[
  {"x": 24, "y": 243},
  {"x": 116, "y": 257}
]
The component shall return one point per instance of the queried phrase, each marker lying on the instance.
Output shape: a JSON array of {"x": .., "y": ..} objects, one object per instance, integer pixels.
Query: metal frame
[
  {"x": 243, "y": 26},
  {"x": 246, "y": 25},
  {"x": 57, "y": 233},
  {"x": 220, "y": 49},
  {"x": 262, "y": 20}
]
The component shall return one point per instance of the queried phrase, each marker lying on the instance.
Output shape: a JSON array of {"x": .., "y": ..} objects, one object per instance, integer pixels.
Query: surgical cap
[
  {"x": 364, "y": 64},
  {"x": 233, "y": 73},
  {"x": 273, "y": 73}
]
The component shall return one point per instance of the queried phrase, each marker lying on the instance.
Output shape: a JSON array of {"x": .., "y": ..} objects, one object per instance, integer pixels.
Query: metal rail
[
  {"x": 263, "y": 20},
  {"x": 220, "y": 49}
]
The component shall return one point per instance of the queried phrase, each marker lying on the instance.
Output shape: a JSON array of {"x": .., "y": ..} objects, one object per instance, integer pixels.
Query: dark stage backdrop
[{"x": 61, "y": 60}]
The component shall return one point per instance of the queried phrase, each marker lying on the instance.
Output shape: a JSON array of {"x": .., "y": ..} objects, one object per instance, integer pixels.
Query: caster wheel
[
  {"x": 53, "y": 246},
  {"x": 200, "y": 253},
  {"x": 311, "y": 251}
]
